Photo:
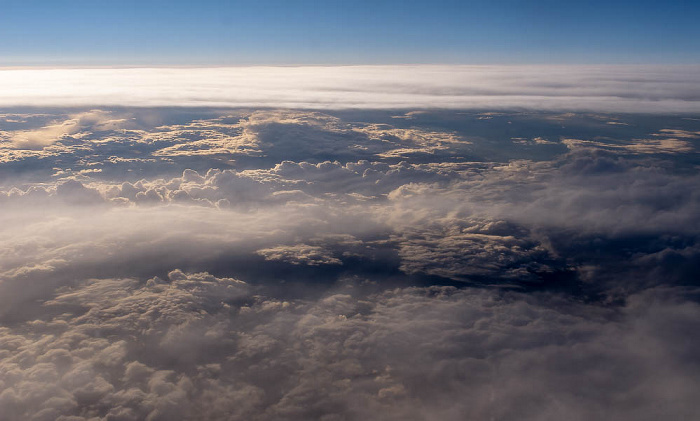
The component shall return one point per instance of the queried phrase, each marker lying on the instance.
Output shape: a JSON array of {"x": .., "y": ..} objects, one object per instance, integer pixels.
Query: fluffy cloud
[
  {"x": 348, "y": 265},
  {"x": 461, "y": 252},
  {"x": 460, "y": 221},
  {"x": 194, "y": 346},
  {"x": 74, "y": 125},
  {"x": 300, "y": 254}
]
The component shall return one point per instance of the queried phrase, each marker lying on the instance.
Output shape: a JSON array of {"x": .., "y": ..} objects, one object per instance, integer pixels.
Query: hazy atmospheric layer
[
  {"x": 651, "y": 89},
  {"x": 248, "y": 264}
]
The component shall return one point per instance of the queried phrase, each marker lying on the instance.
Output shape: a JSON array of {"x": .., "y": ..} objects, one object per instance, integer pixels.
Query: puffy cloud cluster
[
  {"x": 300, "y": 253},
  {"x": 195, "y": 346},
  {"x": 121, "y": 142},
  {"x": 75, "y": 125},
  {"x": 457, "y": 220},
  {"x": 453, "y": 250},
  {"x": 348, "y": 265}
]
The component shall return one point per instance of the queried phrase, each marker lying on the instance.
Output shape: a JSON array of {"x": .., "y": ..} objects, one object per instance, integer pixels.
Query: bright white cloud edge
[{"x": 645, "y": 89}]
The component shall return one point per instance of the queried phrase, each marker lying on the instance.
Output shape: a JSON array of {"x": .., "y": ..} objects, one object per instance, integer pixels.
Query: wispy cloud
[{"x": 591, "y": 88}]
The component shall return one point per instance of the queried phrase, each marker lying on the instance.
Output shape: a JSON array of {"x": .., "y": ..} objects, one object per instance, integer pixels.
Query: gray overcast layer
[{"x": 278, "y": 264}]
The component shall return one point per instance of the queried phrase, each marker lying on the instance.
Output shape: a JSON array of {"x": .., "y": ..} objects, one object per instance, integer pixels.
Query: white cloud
[
  {"x": 337, "y": 227},
  {"x": 74, "y": 124},
  {"x": 598, "y": 88}
]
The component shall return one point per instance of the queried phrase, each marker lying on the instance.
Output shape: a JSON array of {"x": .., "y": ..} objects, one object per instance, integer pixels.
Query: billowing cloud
[
  {"x": 38, "y": 138},
  {"x": 583, "y": 88},
  {"x": 265, "y": 264},
  {"x": 194, "y": 346},
  {"x": 300, "y": 254}
]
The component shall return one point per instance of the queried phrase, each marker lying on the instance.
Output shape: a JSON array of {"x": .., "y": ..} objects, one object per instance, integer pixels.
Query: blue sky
[{"x": 214, "y": 32}]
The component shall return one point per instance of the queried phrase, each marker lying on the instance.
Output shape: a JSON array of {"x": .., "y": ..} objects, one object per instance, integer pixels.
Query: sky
[
  {"x": 369, "y": 210},
  {"x": 213, "y": 32}
]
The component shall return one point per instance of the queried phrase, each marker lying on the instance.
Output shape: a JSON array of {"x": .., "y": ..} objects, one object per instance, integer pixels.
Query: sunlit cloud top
[{"x": 650, "y": 89}]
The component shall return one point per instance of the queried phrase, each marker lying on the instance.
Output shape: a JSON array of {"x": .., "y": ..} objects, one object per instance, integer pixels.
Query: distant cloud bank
[{"x": 645, "y": 89}]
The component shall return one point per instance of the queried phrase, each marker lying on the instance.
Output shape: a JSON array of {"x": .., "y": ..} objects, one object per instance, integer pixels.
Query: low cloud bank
[
  {"x": 647, "y": 89},
  {"x": 195, "y": 346},
  {"x": 198, "y": 264}
]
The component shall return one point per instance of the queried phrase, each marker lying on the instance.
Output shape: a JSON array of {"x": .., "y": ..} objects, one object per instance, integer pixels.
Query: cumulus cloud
[
  {"x": 75, "y": 124},
  {"x": 456, "y": 220},
  {"x": 456, "y": 251},
  {"x": 194, "y": 346},
  {"x": 597, "y": 88},
  {"x": 300, "y": 254},
  {"x": 295, "y": 264},
  {"x": 645, "y": 146}
]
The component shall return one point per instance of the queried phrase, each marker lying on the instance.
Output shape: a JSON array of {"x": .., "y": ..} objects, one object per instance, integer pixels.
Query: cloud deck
[
  {"x": 260, "y": 264},
  {"x": 650, "y": 89}
]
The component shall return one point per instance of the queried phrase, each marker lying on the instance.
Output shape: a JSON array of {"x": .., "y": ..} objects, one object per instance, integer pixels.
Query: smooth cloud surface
[{"x": 591, "y": 88}]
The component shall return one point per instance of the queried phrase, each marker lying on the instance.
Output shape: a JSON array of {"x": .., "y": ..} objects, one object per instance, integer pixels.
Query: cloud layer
[
  {"x": 649, "y": 89},
  {"x": 193, "y": 346},
  {"x": 205, "y": 264}
]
